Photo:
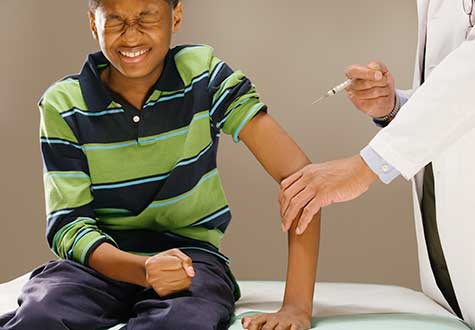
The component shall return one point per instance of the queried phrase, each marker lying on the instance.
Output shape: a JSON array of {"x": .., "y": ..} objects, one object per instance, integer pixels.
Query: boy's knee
[
  {"x": 183, "y": 316},
  {"x": 34, "y": 317}
]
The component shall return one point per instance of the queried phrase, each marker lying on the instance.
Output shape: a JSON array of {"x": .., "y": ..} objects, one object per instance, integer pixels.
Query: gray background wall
[{"x": 293, "y": 51}]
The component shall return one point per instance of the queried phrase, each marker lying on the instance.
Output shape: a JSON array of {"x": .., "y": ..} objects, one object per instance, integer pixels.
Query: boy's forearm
[
  {"x": 281, "y": 157},
  {"x": 119, "y": 265},
  {"x": 302, "y": 266}
]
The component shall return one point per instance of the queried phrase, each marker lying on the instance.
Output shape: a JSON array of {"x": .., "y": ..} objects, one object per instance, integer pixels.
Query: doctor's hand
[
  {"x": 372, "y": 91},
  {"x": 169, "y": 272},
  {"x": 320, "y": 185}
]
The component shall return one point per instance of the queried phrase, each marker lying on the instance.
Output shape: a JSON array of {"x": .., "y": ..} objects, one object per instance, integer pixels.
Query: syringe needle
[
  {"x": 319, "y": 99},
  {"x": 335, "y": 90}
]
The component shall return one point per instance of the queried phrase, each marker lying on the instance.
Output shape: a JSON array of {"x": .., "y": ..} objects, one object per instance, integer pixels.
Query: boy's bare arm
[
  {"x": 168, "y": 272},
  {"x": 281, "y": 157}
]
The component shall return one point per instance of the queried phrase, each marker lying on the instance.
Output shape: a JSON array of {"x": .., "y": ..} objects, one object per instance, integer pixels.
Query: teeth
[{"x": 133, "y": 54}]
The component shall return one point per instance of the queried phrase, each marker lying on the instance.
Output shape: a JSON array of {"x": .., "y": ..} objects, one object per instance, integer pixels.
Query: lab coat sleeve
[{"x": 435, "y": 117}]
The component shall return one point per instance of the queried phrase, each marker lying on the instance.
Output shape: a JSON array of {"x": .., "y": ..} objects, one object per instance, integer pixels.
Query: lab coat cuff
[{"x": 385, "y": 171}]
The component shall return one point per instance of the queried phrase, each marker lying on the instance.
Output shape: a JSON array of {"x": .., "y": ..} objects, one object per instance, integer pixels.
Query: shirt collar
[{"x": 98, "y": 97}]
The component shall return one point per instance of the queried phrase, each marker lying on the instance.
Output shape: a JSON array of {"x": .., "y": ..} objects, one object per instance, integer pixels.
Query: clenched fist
[{"x": 169, "y": 272}]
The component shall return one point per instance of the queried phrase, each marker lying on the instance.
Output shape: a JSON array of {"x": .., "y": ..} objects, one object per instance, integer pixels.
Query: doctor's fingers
[
  {"x": 290, "y": 193},
  {"x": 290, "y": 180},
  {"x": 296, "y": 205},
  {"x": 378, "y": 65},
  {"x": 361, "y": 85},
  {"x": 371, "y": 94},
  {"x": 309, "y": 212},
  {"x": 356, "y": 71}
]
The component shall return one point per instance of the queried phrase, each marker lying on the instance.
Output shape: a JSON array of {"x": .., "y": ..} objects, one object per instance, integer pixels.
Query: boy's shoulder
[
  {"x": 64, "y": 94},
  {"x": 193, "y": 60}
]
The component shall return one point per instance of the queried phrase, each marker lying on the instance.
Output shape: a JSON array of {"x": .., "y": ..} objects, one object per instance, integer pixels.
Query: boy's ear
[
  {"x": 177, "y": 16},
  {"x": 92, "y": 24}
]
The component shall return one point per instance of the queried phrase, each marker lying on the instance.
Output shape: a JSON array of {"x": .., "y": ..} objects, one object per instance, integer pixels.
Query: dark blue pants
[{"x": 66, "y": 295}]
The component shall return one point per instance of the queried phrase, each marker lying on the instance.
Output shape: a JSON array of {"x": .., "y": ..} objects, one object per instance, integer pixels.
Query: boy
[{"x": 136, "y": 209}]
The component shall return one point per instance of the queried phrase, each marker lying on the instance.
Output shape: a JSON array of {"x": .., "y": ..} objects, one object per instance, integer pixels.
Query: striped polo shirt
[{"x": 144, "y": 180}]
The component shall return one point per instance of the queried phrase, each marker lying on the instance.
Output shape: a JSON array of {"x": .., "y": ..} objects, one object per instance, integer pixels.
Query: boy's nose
[{"x": 132, "y": 34}]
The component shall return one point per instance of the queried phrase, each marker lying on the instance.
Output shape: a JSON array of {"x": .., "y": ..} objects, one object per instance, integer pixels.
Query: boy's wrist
[
  {"x": 298, "y": 307},
  {"x": 297, "y": 310}
]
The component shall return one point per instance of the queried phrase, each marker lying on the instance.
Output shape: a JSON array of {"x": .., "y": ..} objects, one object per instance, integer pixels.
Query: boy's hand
[
  {"x": 288, "y": 318},
  {"x": 169, "y": 272}
]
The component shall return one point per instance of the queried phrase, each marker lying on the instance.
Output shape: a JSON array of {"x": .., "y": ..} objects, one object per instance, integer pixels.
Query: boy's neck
[{"x": 132, "y": 90}]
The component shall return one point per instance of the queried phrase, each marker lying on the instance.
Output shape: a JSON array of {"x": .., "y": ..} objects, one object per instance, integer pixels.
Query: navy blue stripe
[
  {"x": 219, "y": 77},
  {"x": 59, "y": 141},
  {"x": 147, "y": 241},
  {"x": 158, "y": 119},
  {"x": 59, "y": 219},
  {"x": 184, "y": 178},
  {"x": 63, "y": 157},
  {"x": 179, "y": 94},
  {"x": 181, "y": 180},
  {"x": 165, "y": 116},
  {"x": 82, "y": 112},
  {"x": 219, "y": 219},
  {"x": 103, "y": 129},
  {"x": 233, "y": 93}
]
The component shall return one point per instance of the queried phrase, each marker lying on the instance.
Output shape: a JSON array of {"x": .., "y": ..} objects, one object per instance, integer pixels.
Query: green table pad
[{"x": 395, "y": 321}]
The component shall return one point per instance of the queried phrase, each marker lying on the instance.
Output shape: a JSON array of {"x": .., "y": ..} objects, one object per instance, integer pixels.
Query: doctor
[{"x": 429, "y": 137}]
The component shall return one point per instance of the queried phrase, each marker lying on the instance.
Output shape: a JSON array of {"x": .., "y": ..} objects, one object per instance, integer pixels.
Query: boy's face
[{"x": 135, "y": 35}]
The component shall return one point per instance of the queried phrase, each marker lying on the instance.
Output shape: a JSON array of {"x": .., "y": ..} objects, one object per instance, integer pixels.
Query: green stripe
[
  {"x": 177, "y": 212},
  {"x": 185, "y": 209},
  {"x": 230, "y": 82},
  {"x": 199, "y": 136},
  {"x": 112, "y": 212},
  {"x": 52, "y": 125},
  {"x": 64, "y": 192},
  {"x": 156, "y": 95},
  {"x": 64, "y": 238},
  {"x": 240, "y": 117},
  {"x": 214, "y": 62},
  {"x": 181, "y": 211},
  {"x": 146, "y": 220},
  {"x": 84, "y": 245},
  {"x": 192, "y": 62},
  {"x": 155, "y": 155},
  {"x": 68, "y": 174},
  {"x": 65, "y": 95},
  {"x": 202, "y": 234}
]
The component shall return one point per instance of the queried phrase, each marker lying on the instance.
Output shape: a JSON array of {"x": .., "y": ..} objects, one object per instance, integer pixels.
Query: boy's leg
[
  {"x": 208, "y": 305},
  {"x": 66, "y": 295}
]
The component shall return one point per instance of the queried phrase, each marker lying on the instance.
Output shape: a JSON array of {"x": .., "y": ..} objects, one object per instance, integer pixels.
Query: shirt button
[
  {"x": 385, "y": 168},
  {"x": 136, "y": 119}
]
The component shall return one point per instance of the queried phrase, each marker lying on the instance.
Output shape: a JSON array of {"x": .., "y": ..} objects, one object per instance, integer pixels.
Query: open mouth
[{"x": 134, "y": 56}]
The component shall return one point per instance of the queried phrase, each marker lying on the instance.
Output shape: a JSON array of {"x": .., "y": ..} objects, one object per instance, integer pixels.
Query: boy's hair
[{"x": 93, "y": 4}]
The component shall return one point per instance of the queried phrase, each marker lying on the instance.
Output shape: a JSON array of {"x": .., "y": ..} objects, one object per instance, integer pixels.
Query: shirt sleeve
[
  {"x": 385, "y": 171},
  {"x": 379, "y": 166},
  {"x": 234, "y": 100},
  {"x": 72, "y": 230},
  {"x": 401, "y": 99}
]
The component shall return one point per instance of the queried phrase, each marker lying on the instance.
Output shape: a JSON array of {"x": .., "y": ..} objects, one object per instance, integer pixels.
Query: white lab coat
[{"x": 437, "y": 125}]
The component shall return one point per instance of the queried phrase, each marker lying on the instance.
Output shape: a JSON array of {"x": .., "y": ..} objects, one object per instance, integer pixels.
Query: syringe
[{"x": 335, "y": 90}]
